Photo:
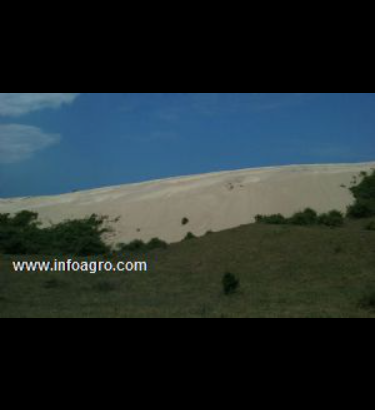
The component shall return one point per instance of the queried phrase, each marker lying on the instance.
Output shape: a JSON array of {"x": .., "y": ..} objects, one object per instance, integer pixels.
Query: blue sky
[{"x": 59, "y": 142}]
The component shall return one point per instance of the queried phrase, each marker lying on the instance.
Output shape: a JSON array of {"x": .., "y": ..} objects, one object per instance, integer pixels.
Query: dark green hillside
[{"x": 283, "y": 271}]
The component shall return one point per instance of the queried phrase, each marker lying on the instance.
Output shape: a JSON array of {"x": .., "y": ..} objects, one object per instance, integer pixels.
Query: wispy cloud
[
  {"x": 20, "y": 142},
  {"x": 16, "y": 104}
]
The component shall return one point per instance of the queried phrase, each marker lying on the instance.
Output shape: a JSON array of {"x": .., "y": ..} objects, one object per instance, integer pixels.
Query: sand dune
[{"x": 210, "y": 202}]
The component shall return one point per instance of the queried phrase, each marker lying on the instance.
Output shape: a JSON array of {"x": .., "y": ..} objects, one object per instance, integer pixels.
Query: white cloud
[
  {"x": 20, "y": 142},
  {"x": 15, "y": 104}
]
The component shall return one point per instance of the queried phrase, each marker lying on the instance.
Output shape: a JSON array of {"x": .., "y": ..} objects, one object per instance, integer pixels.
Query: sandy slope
[{"x": 211, "y": 202}]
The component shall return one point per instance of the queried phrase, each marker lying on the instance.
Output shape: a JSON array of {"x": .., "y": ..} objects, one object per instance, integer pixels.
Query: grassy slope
[{"x": 284, "y": 272}]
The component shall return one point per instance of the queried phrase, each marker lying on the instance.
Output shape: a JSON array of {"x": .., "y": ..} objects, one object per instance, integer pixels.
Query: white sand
[{"x": 214, "y": 202}]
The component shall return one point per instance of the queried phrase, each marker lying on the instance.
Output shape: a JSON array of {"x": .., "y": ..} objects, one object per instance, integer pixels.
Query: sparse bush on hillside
[
  {"x": 140, "y": 246},
  {"x": 133, "y": 246},
  {"x": 24, "y": 219},
  {"x": 22, "y": 234},
  {"x": 306, "y": 218},
  {"x": 184, "y": 221},
  {"x": 361, "y": 209},
  {"x": 230, "y": 284},
  {"x": 333, "y": 219},
  {"x": 364, "y": 194},
  {"x": 189, "y": 236},
  {"x": 276, "y": 219},
  {"x": 79, "y": 237},
  {"x": 157, "y": 243}
]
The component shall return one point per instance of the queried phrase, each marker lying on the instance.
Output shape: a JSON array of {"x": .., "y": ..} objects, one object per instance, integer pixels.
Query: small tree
[
  {"x": 305, "y": 218},
  {"x": 133, "y": 246},
  {"x": 275, "y": 219},
  {"x": 189, "y": 236},
  {"x": 364, "y": 194},
  {"x": 157, "y": 243},
  {"x": 25, "y": 219},
  {"x": 362, "y": 208},
  {"x": 230, "y": 284},
  {"x": 333, "y": 219}
]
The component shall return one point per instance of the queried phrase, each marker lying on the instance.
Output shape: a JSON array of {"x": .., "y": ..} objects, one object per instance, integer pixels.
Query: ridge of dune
[{"x": 214, "y": 201}]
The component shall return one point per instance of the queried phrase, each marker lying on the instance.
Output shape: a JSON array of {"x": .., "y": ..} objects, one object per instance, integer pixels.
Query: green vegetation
[
  {"x": 333, "y": 219},
  {"x": 276, "y": 219},
  {"x": 364, "y": 193},
  {"x": 189, "y": 236},
  {"x": 284, "y": 271},
  {"x": 308, "y": 217},
  {"x": 133, "y": 246},
  {"x": 140, "y": 246},
  {"x": 52, "y": 284},
  {"x": 22, "y": 235},
  {"x": 156, "y": 243},
  {"x": 363, "y": 207},
  {"x": 230, "y": 284},
  {"x": 184, "y": 221}
]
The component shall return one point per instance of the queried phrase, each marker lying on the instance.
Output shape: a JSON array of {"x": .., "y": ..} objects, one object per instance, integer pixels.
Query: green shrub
[
  {"x": 362, "y": 208},
  {"x": 15, "y": 246},
  {"x": 184, "y": 221},
  {"x": 305, "y": 218},
  {"x": 156, "y": 243},
  {"x": 366, "y": 188},
  {"x": 78, "y": 237},
  {"x": 24, "y": 219},
  {"x": 364, "y": 194},
  {"x": 189, "y": 236},
  {"x": 275, "y": 219},
  {"x": 333, "y": 219},
  {"x": 133, "y": 246},
  {"x": 140, "y": 246},
  {"x": 21, "y": 234},
  {"x": 230, "y": 284},
  {"x": 4, "y": 220}
]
